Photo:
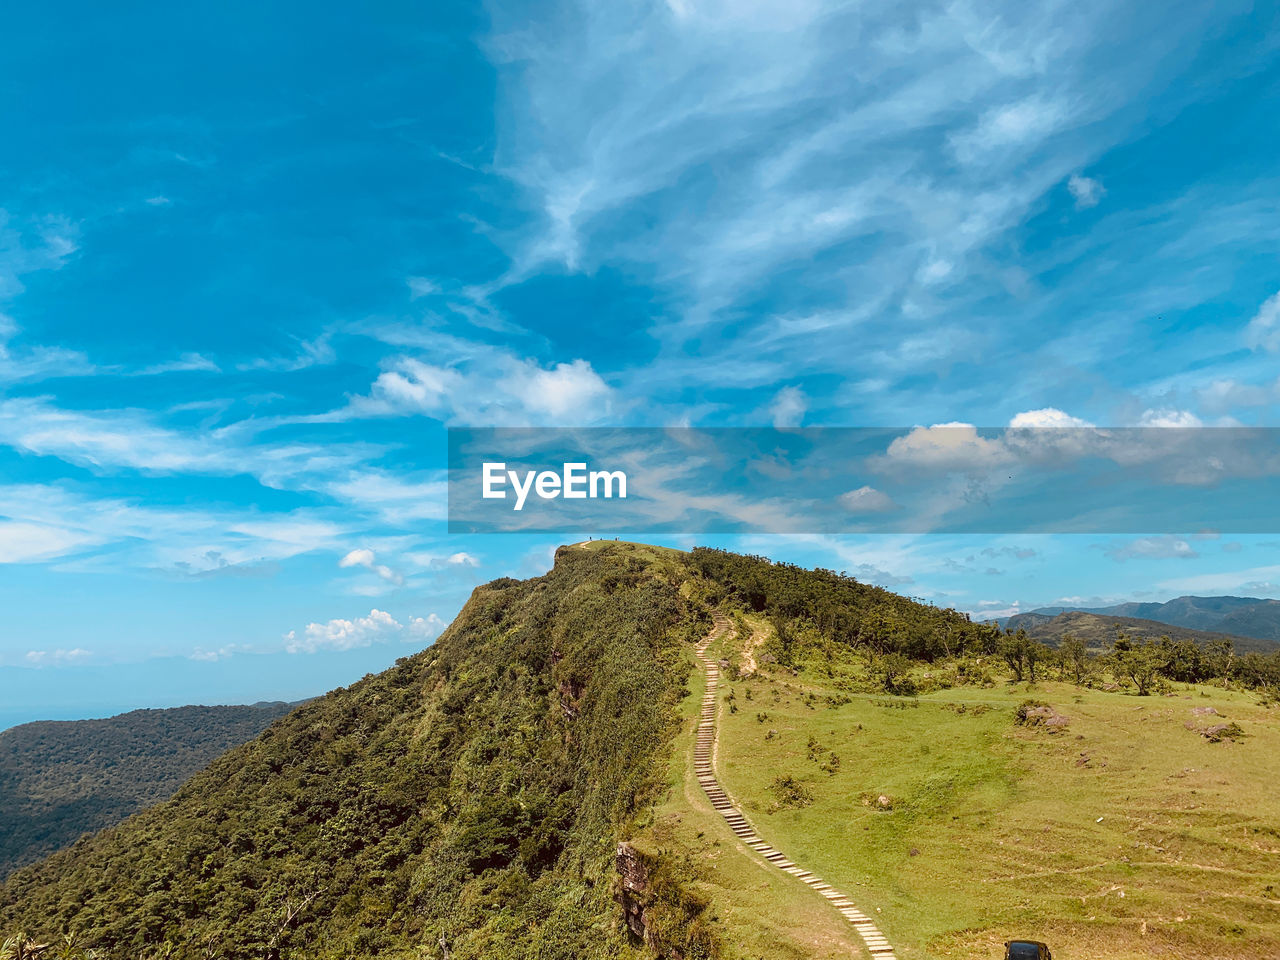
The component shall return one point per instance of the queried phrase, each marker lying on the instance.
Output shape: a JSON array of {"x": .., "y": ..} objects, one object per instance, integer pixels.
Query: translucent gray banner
[{"x": 951, "y": 478}]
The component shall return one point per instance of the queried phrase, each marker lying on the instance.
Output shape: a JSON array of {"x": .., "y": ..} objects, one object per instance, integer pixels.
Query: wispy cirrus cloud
[{"x": 1008, "y": 91}]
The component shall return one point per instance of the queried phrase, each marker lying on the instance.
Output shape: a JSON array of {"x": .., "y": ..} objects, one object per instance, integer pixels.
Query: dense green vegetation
[
  {"x": 1149, "y": 665},
  {"x": 465, "y": 803},
  {"x": 61, "y": 779},
  {"x": 893, "y": 633},
  {"x": 851, "y": 613}
]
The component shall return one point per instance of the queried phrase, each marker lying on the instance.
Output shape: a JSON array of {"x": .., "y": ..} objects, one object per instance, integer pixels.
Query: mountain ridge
[
  {"x": 1099, "y": 630},
  {"x": 470, "y": 796},
  {"x": 1255, "y": 618}
]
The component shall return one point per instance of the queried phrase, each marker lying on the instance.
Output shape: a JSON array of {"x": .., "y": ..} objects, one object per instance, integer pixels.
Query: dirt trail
[
  {"x": 758, "y": 637},
  {"x": 704, "y": 764}
]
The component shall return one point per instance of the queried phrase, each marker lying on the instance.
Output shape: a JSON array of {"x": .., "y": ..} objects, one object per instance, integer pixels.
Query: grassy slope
[
  {"x": 756, "y": 911},
  {"x": 1004, "y": 823}
]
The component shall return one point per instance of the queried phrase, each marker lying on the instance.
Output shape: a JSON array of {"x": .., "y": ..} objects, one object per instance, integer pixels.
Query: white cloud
[
  {"x": 36, "y": 362},
  {"x": 1224, "y": 395},
  {"x": 364, "y": 557},
  {"x": 947, "y": 446},
  {"x": 788, "y": 407},
  {"x": 1169, "y": 418},
  {"x": 1258, "y": 580},
  {"x": 377, "y": 627},
  {"x": 52, "y": 522},
  {"x": 487, "y": 386},
  {"x": 416, "y": 387},
  {"x": 105, "y": 439},
  {"x": 187, "y": 363},
  {"x": 298, "y": 531},
  {"x": 317, "y": 352},
  {"x": 29, "y": 542},
  {"x": 1047, "y": 417},
  {"x": 440, "y": 561},
  {"x": 344, "y": 634},
  {"x": 422, "y": 287},
  {"x": 357, "y": 558},
  {"x": 993, "y": 609},
  {"x": 1010, "y": 126},
  {"x": 567, "y": 391},
  {"x": 33, "y": 245},
  {"x": 157, "y": 201},
  {"x": 1086, "y": 191},
  {"x": 423, "y": 628},
  {"x": 1163, "y": 547},
  {"x": 1263, "y": 331},
  {"x": 221, "y": 653},
  {"x": 57, "y": 657},
  {"x": 397, "y": 499},
  {"x": 135, "y": 439},
  {"x": 867, "y": 500}
]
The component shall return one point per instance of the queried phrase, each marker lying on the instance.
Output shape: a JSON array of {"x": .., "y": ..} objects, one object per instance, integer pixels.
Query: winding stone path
[{"x": 704, "y": 764}]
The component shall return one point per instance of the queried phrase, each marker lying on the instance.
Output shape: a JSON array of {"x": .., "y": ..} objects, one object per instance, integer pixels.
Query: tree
[
  {"x": 1012, "y": 648},
  {"x": 1218, "y": 657},
  {"x": 1143, "y": 663},
  {"x": 891, "y": 672},
  {"x": 1035, "y": 653},
  {"x": 1075, "y": 657}
]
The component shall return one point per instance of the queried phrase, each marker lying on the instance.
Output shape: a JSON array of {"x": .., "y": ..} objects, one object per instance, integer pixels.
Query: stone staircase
[{"x": 704, "y": 763}]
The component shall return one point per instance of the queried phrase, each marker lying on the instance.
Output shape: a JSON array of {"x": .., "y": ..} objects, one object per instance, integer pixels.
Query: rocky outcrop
[{"x": 633, "y": 886}]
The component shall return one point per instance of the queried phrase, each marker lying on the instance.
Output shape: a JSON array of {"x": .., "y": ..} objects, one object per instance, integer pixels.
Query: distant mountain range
[
  {"x": 60, "y": 779},
  {"x": 1251, "y": 623},
  {"x": 1099, "y": 630}
]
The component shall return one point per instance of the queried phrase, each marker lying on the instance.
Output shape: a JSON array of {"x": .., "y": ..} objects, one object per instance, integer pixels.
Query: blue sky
[{"x": 253, "y": 262}]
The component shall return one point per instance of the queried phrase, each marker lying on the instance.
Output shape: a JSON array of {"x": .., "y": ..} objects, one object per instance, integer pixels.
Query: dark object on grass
[{"x": 1026, "y": 950}]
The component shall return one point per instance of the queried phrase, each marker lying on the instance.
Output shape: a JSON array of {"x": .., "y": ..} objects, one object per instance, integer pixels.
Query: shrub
[{"x": 789, "y": 794}]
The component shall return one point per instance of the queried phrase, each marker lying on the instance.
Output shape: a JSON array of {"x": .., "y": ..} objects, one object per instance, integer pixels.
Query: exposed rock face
[{"x": 632, "y": 887}]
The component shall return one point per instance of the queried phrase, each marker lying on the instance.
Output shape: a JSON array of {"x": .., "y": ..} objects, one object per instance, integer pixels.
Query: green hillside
[
  {"x": 526, "y": 789},
  {"x": 61, "y": 779},
  {"x": 469, "y": 797}
]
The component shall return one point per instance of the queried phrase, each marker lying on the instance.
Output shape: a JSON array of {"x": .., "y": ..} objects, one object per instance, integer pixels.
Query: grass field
[{"x": 1124, "y": 834}]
